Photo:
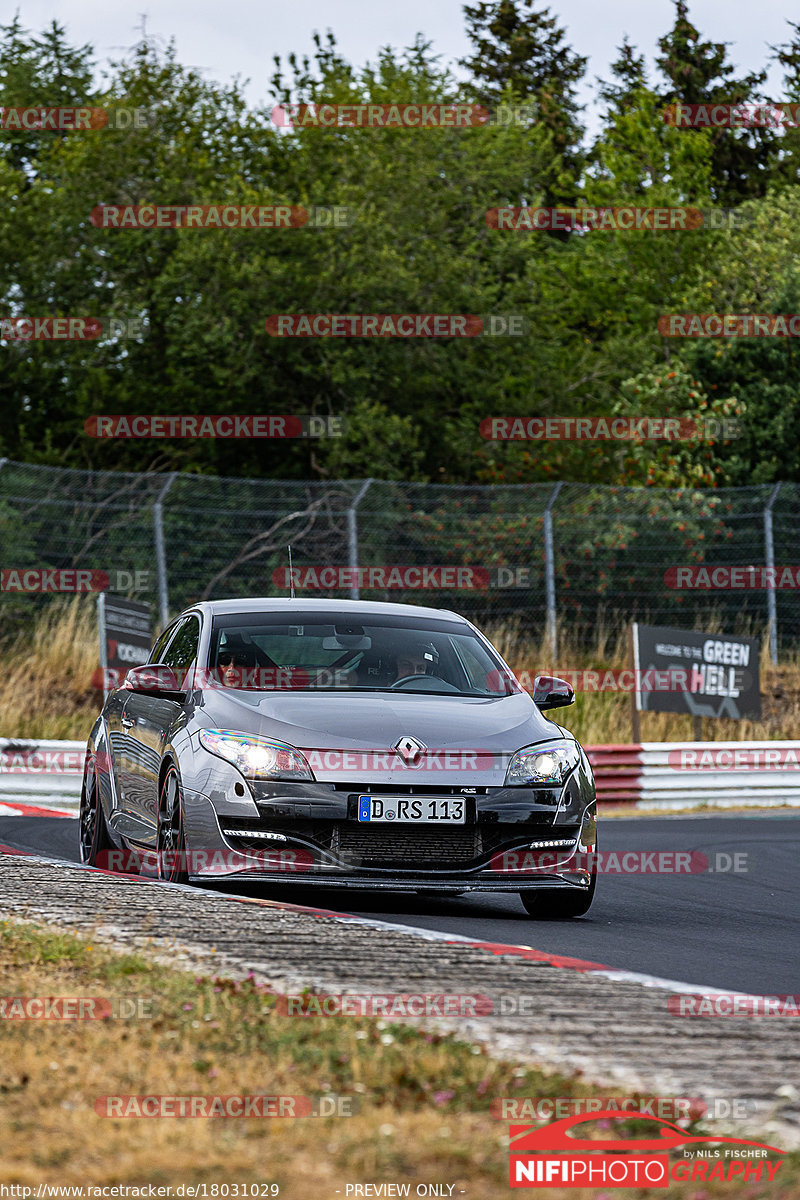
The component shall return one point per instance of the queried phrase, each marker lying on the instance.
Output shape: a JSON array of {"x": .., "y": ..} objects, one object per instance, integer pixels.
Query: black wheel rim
[
  {"x": 88, "y": 818},
  {"x": 170, "y": 830}
]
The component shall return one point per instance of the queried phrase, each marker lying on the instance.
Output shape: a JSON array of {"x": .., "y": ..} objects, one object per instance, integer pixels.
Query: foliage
[{"x": 417, "y": 241}]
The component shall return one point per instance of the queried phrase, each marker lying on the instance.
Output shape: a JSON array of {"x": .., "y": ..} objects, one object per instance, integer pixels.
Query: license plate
[{"x": 417, "y": 810}]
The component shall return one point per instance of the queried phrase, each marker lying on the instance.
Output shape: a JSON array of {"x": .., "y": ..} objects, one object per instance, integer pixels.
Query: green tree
[
  {"x": 698, "y": 72},
  {"x": 40, "y": 71},
  {"x": 522, "y": 52},
  {"x": 788, "y": 55}
]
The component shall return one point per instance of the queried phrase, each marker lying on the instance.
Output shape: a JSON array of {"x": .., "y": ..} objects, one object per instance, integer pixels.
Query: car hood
[{"x": 451, "y": 727}]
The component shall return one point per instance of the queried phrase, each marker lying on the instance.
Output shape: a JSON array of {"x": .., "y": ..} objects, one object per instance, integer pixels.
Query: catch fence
[{"x": 562, "y": 555}]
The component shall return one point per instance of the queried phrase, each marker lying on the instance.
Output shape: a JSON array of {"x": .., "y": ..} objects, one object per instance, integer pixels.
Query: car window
[
  {"x": 474, "y": 664},
  {"x": 161, "y": 643},
  {"x": 182, "y": 649},
  {"x": 307, "y": 649}
]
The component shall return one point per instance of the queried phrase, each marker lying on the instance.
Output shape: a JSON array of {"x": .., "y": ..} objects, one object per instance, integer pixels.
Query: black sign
[
  {"x": 125, "y": 637},
  {"x": 710, "y": 674}
]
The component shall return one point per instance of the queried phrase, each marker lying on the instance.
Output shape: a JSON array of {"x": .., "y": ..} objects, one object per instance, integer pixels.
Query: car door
[
  {"x": 110, "y": 747},
  {"x": 147, "y": 721},
  {"x": 125, "y": 820}
]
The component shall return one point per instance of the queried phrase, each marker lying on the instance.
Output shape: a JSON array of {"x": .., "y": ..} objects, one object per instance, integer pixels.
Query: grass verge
[{"x": 423, "y": 1099}]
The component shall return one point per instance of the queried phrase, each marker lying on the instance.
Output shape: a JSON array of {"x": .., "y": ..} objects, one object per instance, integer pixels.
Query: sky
[{"x": 241, "y": 38}]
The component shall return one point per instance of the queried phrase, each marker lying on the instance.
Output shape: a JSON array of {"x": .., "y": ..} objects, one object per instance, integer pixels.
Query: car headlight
[
  {"x": 257, "y": 757},
  {"x": 550, "y": 764}
]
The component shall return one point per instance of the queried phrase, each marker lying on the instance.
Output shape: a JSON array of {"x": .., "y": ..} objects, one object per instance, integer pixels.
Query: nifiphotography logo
[{"x": 551, "y": 1156}]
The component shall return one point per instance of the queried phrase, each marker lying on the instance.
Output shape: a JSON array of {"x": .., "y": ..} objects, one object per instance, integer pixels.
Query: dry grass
[
  {"x": 46, "y": 683},
  {"x": 424, "y": 1099},
  {"x": 599, "y": 718},
  {"x": 46, "y": 673}
]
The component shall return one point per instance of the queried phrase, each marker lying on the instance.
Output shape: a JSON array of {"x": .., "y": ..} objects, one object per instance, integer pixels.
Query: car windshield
[{"x": 273, "y": 651}]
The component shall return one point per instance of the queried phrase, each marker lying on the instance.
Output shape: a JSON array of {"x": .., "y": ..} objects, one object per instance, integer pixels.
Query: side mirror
[
  {"x": 551, "y": 692},
  {"x": 154, "y": 681}
]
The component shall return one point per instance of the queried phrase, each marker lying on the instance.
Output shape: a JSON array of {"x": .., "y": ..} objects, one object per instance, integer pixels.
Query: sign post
[
  {"x": 125, "y": 637},
  {"x": 633, "y": 663}
]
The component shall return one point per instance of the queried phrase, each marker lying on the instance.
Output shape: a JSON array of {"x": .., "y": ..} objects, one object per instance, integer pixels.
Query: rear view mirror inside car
[{"x": 347, "y": 641}]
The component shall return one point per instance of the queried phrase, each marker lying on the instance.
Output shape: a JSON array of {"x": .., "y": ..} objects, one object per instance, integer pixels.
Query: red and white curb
[{"x": 34, "y": 810}]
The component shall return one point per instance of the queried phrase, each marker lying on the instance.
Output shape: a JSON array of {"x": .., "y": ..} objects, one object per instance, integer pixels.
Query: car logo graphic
[
  {"x": 409, "y": 748},
  {"x": 556, "y": 1136}
]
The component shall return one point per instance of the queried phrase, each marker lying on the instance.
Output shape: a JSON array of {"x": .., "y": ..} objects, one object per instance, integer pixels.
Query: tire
[
  {"x": 170, "y": 839},
  {"x": 558, "y": 904},
  {"x": 93, "y": 836}
]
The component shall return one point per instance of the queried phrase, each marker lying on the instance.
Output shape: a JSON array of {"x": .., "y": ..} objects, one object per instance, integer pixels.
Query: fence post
[
  {"x": 352, "y": 536},
  {"x": 549, "y": 574},
  {"x": 769, "y": 558},
  {"x": 161, "y": 558}
]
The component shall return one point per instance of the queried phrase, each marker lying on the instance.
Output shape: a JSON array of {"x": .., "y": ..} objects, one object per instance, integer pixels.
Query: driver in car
[
  {"x": 417, "y": 660},
  {"x": 236, "y": 667}
]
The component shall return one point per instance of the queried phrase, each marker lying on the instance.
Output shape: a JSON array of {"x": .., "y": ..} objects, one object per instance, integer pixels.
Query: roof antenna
[{"x": 291, "y": 576}]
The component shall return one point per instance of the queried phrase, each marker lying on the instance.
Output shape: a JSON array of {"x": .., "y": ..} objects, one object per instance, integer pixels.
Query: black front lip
[
  {"x": 329, "y": 870},
  {"x": 401, "y": 883}
]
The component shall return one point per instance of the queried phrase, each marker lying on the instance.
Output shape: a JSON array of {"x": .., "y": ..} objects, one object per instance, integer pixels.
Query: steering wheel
[{"x": 442, "y": 684}]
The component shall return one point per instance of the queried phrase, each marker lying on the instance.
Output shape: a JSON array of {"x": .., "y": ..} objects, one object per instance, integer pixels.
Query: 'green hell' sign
[{"x": 710, "y": 674}]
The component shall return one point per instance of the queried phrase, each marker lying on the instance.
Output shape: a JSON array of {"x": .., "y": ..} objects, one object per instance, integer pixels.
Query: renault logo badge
[{"x": 409, "y": 748}]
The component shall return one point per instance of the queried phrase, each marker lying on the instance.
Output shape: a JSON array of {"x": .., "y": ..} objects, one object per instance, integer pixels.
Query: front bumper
[
  {"x": 308, "y": 834},
  {"x": 485, "y": 855}
]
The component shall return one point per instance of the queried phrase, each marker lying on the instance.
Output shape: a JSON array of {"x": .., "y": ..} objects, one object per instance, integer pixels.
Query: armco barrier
[
  {"x": 672, "y": 774},
  {"x": 32, "y": 770},
  {"x": 650, "y": 774}
]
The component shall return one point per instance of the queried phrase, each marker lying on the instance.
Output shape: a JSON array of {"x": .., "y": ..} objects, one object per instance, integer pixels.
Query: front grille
[{"x": 407, "y": 847}]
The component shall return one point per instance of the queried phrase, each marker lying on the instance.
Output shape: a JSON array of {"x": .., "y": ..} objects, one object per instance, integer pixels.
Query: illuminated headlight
[
  {"x": 255, "y": 757},
  {"x": 545, "y": 766}
]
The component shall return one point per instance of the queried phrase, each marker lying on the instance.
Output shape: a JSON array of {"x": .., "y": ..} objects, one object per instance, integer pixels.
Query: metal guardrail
[
  {"x": 33, "y": 770},
  {"x": 691, "y": 774},
  {"x": 647, "y": 774}
]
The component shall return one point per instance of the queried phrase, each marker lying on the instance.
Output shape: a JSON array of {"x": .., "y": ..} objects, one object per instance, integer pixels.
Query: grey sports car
[{"x": 340, "y": 743}]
